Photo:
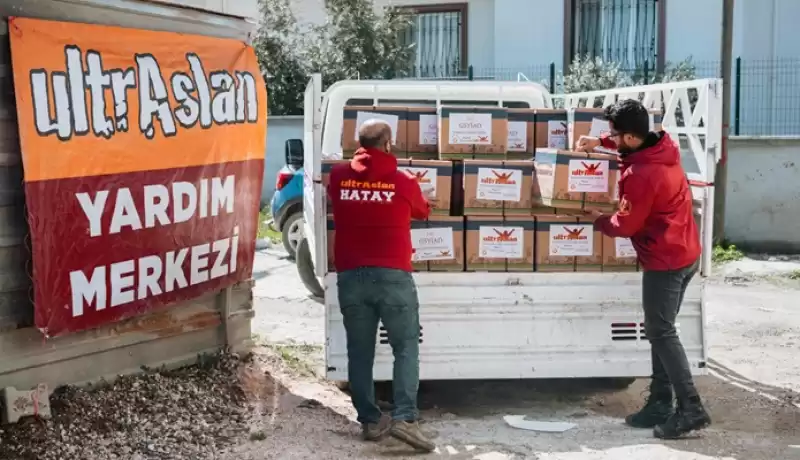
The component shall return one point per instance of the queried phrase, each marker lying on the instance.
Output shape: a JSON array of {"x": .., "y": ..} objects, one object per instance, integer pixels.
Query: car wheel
[
  {"x": 305, "y": 268},
  {"x": 292, "y": 233}
]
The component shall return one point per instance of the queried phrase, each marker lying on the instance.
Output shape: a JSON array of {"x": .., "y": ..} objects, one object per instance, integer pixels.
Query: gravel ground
[
  {"x": 754, "y": 331},
  {"x": 186, "y": 413},
  {"x": 272, "y": 405}
]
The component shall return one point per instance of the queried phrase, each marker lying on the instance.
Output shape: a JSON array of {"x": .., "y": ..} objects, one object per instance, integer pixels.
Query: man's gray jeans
[
  {"x": 366, "y": 296},
  {"x": 662, "y": 295}
]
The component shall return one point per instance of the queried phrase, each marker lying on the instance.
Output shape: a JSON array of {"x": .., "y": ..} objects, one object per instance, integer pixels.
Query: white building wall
[
  {"x": 694, "y": 28},
  {"x": 529, "y": 35}
]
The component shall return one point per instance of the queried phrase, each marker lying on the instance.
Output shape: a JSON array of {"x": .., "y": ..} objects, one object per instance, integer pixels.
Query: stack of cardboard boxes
[{"x": 507, "y": 194}]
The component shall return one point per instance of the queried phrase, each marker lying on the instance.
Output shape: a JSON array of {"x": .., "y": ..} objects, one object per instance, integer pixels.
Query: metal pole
[
  {"x": 471, "y": 73},
  {"x": 552, "y": 78},
  {"x": 738, "y": 97},
  {"x": 720, "y": 180}
]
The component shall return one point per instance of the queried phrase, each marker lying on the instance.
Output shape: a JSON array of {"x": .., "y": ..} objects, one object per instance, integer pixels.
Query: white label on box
[
  {"x": 393, "y": 121},
  {"x": 501, "y": 242},
  {"x": 428, "y": 130},
  {"x": 571, "y": 240},
  {"x": 499, "y": 184},
  {"x": 432, "y": 244},
  {"x": 556, "y": 134},
  {"x": 588, "y": 175},
  {"x": 470, "y": 128},
  {"x": 624, "y": 248},
  {"x": 426, "y": 178},
  {"x": 517, "y": 136},
  {"x": 599, "y": 127}
]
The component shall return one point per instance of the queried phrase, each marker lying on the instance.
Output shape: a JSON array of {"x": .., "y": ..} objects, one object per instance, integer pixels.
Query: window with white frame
[
  {"x": 622, "y": 31},
  {"x": 438, "y": 34}
]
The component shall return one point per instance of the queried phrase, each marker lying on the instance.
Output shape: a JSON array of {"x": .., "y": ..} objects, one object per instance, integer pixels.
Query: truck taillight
[{"x": 283, "y": 179}]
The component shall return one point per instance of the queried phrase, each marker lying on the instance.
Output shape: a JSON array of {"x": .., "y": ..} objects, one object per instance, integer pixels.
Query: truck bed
[{"x": 526, "y": 325}]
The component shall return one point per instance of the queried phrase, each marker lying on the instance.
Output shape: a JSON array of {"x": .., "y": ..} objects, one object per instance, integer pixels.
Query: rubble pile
[{"x": 192, "y": 413}]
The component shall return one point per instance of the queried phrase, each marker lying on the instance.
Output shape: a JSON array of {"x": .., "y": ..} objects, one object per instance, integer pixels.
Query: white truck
[{"x": 517, "y": 325}]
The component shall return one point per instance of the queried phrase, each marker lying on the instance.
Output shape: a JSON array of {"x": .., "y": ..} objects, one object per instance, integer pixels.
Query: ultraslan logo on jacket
[{"x": 375, "y": 192}]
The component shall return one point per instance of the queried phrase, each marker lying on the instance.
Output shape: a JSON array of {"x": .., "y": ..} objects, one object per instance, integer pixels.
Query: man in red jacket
[
  {"x": 655, "y": 212},
  {"x": 373, "y": 204}
]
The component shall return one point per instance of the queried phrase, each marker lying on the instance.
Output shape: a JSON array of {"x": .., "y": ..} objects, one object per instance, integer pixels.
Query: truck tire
[
  {"x": 292, "y": 233},
  {"x": 305, "y": 268}
]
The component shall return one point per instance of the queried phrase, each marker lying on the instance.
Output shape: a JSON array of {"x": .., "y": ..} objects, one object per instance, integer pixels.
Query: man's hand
[
  {"x": 594, "y": 213},
  {"x": 587, "y": 144}
]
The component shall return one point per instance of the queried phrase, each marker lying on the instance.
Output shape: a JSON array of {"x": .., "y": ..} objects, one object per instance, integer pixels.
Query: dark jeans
[
  {"x": 367, "y": 295},
  {"x": 662, "y": 295}
]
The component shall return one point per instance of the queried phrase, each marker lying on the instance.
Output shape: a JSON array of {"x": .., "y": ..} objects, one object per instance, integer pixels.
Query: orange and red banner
[{"x": 143, "y": 161}]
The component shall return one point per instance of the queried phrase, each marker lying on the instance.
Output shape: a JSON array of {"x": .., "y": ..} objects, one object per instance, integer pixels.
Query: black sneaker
[
  {"x": 656, "y": 411},
  {"x": 684, "y": 420}
]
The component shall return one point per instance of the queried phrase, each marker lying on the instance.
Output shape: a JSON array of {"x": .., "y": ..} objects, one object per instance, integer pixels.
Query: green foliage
[
  {"x": 724, "y": 253},
  {"x": 355, "y": 42},
  {"x": 594, "y": 74},
  {"x": 276, "y": 45}
]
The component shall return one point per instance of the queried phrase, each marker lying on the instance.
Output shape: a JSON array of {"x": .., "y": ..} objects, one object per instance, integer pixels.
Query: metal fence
[{"x": 765, "y": 93}]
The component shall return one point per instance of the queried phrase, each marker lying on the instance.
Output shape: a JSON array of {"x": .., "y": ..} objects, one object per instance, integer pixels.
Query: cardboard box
[
  {"x": 551, "y": 179},
  {"x": 618, "y": 255},
  {"x": 436, "y": 175},
  {"x": 499, "y": 139},
  {"x": 474, "y": 204},
  {"x": 419, "y": 264},
  {"x": 550, "y": 129},
  {"x": 602, "y": 200},
  {"x": 354, "y": 116},
  {"x": 450, "y": 256},
  {"x": 554, "y": 250},
  {"x": 495, "y": 188},
  {"x": 422, "y": 133},
  {"x": 470, "y": 132},
  {"x": 520, "y": 134},
  {"x": 574, "y": 180},
  {"x": 590, "y": 258},
  {"x": 523, "y": 206},
  {"x": 528, "y": 260},
  {"x": 499, "y": 244},
  {"x": 543, "y": 210},
  {"x": 585, "y": 122}
]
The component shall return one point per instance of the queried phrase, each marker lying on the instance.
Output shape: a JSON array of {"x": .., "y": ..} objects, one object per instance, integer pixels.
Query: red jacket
[
  {"x": 373, "y": 204},
  {"x": 655, "y": 206}
]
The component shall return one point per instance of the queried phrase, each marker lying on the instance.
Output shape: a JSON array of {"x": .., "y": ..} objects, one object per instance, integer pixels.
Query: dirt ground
[{"x": 752, "y": 390}]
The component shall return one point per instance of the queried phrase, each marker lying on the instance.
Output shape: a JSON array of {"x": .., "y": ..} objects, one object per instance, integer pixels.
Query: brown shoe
[
  {"x": 376, "y": 431},
  {"x": 409, "y": 433}
]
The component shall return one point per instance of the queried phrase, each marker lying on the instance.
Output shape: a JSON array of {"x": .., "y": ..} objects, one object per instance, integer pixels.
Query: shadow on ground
[{"x": 747, "y": 424}]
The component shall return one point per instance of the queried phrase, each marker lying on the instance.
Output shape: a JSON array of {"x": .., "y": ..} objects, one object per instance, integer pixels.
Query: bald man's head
[{"x": 375, "y": 134}]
